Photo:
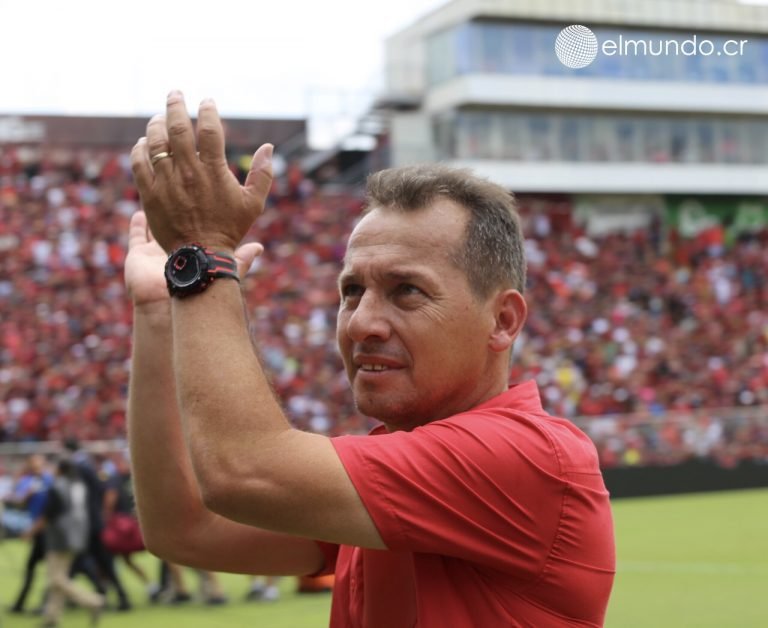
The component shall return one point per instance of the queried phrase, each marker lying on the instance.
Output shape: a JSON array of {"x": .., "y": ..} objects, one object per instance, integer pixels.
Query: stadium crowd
[{"x": 668, "y": 331}]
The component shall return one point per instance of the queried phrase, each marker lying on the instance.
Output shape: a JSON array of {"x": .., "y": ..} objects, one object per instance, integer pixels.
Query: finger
[
  {"x": 142, "y": 171},
  {"x": 150, "y": 237},
  {"x": 210, "y": 134},
  {"x": 157, "y": 143},
  {"x": 245, "y": 256},
  {"x": 259, "y": 179},
  {"x": 138, "y": 230},
  {"x": 180, "y": 132}
]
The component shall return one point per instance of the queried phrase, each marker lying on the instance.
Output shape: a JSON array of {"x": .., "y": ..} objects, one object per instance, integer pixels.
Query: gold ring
[{"x": 155, "y": 158}]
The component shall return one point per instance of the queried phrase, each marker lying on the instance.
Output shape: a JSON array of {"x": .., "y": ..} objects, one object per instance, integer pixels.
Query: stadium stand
[{"x": 658, "y": 346}]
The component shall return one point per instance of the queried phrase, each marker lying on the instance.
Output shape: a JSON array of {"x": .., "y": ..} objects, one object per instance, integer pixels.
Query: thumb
[
  {"x": 245, "y": 256},
  {"x": 138, "y": 230},
  {"x": 259, "y": 178}
]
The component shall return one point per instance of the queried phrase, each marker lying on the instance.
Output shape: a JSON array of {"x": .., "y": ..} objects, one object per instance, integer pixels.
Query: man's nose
[{"x": 368, "y": 319}]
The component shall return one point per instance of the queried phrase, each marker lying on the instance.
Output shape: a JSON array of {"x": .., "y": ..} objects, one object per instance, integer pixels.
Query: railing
[
  {"x": 726, "y": 436},
  {"x": 13, "y": 455}
]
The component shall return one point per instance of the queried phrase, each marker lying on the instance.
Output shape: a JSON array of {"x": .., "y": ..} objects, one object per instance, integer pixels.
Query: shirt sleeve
[{"x": 485, "y": 489}]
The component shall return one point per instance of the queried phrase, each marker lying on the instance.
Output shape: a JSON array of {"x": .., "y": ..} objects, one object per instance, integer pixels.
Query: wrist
[
  {"x": 211, "y": 242},
  {"x": 154, "y": 311}
]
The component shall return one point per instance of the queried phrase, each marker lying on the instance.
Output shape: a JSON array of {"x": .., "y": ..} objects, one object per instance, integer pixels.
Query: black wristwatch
[{"x": 191, "y": 268}]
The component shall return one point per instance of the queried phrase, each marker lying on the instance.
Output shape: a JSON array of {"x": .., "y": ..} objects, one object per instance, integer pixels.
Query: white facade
[{"x": 712, "y": 110}]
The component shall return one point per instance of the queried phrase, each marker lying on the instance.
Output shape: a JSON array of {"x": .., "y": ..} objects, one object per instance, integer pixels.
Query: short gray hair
[{"x": 492, "y": 255}]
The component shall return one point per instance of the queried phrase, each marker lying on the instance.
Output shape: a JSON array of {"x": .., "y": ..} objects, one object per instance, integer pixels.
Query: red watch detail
[{"x": 191, "y": 268}]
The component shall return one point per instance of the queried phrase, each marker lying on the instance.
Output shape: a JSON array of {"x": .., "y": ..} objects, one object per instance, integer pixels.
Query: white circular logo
[{"x": 576, "y": 46}]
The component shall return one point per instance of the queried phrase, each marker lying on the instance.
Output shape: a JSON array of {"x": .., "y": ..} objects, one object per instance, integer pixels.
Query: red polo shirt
[{"x": 497, "y": 516}]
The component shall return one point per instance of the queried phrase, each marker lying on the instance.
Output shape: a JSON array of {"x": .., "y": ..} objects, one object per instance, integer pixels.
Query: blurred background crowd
[{"x": 656, "y": 344}]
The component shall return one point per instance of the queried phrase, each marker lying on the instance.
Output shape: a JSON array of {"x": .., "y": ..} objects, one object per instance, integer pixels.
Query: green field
[
  {"x": 684, "y": 561},
  {"x": 692, "y": 561}
]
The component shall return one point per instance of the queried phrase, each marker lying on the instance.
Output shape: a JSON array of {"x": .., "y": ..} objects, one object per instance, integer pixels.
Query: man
[
  {"x": 96, "y": 562},
  {"x": 30, "y": 494},
  {"x": 469, "y": 507},
  {"x": 65, "y": 521}
]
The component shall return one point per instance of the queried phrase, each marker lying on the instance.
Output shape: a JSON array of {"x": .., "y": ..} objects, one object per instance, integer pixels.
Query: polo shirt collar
[{"x": 523, "y": 397}]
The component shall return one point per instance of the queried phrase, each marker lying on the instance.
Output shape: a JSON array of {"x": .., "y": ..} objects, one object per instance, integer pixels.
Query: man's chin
[{"x": 381, "y": 406}]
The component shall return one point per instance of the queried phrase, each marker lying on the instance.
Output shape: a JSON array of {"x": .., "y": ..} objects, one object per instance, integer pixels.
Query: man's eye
[
  {"x": 351, "y": 290},
  {"x": 408, "y": 289}
]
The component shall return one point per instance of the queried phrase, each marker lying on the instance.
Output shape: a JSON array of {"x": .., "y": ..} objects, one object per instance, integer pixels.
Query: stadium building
[{"x": 656, "y": 106}]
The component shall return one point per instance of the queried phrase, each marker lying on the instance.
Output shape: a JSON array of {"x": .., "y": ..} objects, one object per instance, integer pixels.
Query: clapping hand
[{"x": 187, "y": 190}]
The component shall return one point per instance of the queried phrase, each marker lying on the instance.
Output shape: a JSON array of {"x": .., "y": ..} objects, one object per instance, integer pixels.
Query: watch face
[{"x": 184, "y": 268}]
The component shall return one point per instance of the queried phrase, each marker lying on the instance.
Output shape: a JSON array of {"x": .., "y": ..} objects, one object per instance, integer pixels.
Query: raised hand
[
  {"x": 187, "y": 189},
  {"x": 145, "y": 263}
]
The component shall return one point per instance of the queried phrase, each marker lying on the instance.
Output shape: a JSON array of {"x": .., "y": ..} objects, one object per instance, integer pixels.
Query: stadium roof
[{"x": 119, "y": 132}]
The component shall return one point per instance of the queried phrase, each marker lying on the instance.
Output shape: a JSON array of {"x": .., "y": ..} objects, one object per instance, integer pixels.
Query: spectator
[
  {"x": 119, "y": 507},
  {"x": 65, "y": 521},
  {"x": 30, "y": 493},
  {"x": 97, "y": 562}
]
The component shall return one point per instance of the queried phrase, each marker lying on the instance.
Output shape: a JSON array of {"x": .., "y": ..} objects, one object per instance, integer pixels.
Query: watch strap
[{"x": 221, "y": 264}]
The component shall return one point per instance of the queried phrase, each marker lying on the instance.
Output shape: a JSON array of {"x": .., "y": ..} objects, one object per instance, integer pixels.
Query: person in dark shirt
[
  {"x": 97, "y": 563},
  {"x": 30, "y": 493},
  {"x": 119, "y": 501},
  {"x": 65, "y": 522}
]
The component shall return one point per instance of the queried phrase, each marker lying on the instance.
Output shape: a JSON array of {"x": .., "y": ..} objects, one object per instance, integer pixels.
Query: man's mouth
[
  {"x": 373, "y": 363},
  {"x": 374, "y": 367}
]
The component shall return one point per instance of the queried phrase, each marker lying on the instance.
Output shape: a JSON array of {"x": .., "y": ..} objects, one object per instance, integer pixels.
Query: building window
[
  {"x": 485, "y": 46},
  {"x": 539, "y": 136}
]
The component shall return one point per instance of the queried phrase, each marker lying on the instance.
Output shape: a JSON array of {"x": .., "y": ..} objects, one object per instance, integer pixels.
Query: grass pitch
[
  {"x": 692, "y": 561},
  {"x": 683, "y": 561}
]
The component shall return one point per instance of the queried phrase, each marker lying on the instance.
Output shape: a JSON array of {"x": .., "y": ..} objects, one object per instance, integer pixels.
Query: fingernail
[
  {"x": 175, "y": 93},
  {"x": 263, "y": 157},
  {"x": 208, "y": 102}
]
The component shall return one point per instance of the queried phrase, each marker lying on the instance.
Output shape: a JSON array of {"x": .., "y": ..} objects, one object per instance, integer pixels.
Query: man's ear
[{"x": 510, "y": 310}]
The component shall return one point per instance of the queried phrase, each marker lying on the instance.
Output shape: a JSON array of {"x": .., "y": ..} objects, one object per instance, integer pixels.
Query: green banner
[{"x": 691, "y": 216}]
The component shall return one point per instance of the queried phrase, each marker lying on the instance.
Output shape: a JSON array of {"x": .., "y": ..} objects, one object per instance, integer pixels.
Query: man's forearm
[
  {"x": 167, "y": 495},
  {"x": 233, "y": 422},
  {"x": 252, "y": 467},
  {"x": 174, "y": 520}
]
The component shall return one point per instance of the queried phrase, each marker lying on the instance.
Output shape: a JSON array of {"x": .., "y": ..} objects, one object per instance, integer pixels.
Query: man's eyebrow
[
  {"x": 406, "y": 276},
  {"x": 393, "y": 276}
]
